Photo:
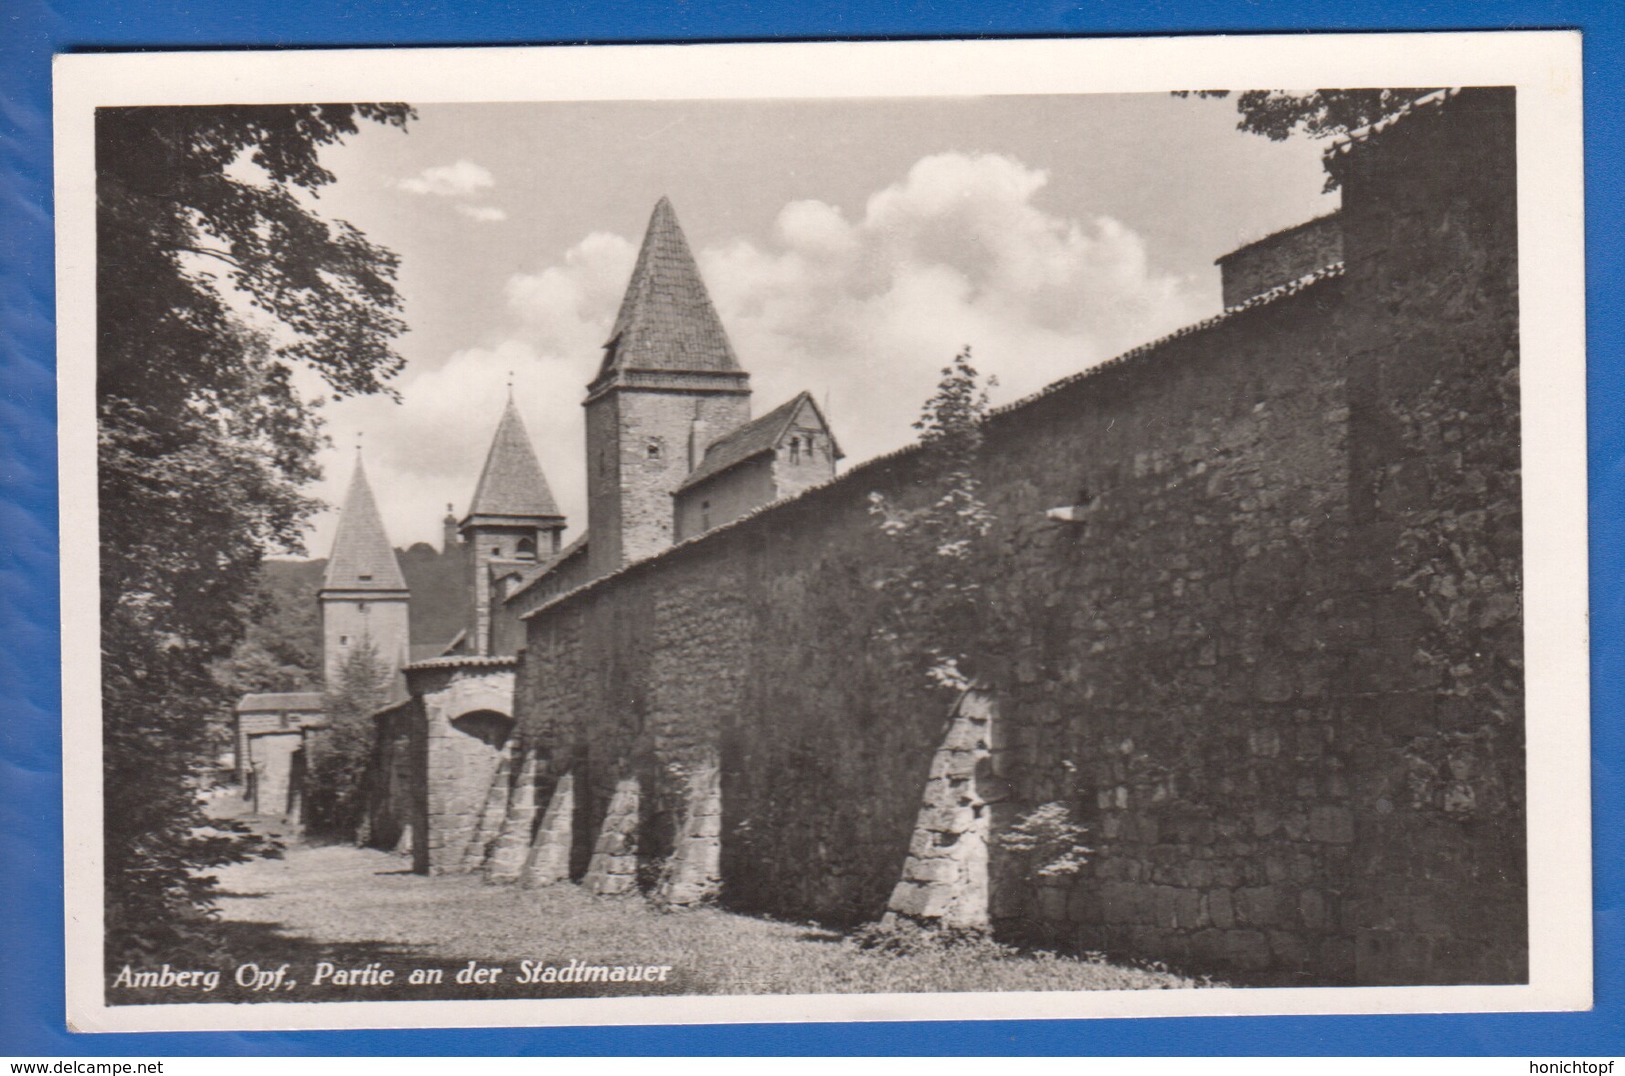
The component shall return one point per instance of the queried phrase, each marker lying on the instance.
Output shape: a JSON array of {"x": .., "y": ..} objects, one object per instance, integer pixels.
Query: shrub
[
  {"x": 335, "y": 779},
  {"x": 905, "y": 937},
  {"x": 1051, "y": 841}
]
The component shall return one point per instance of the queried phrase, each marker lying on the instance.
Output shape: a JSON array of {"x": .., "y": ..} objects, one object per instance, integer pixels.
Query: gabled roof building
[{"x": 787, "y": 450}]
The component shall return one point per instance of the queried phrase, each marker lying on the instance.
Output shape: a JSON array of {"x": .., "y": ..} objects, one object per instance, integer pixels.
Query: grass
[{"x": 353, "y": 907}]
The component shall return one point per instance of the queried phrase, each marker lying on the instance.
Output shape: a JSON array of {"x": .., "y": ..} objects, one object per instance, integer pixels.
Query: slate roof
[
  {"x": 512, "y": 483},
  {"x": 275, "y": 702},
  {"x": 666, "y": 320},
  {"x": 755, "y": 437},
  {"x": 362, "y": 558}
]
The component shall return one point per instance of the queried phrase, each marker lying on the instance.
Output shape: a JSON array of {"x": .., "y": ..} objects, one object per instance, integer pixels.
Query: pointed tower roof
[
  {"x": 362, "y": 557},
  {"x": 666, "y": 320},
  {"x": 512, "y": 483}
]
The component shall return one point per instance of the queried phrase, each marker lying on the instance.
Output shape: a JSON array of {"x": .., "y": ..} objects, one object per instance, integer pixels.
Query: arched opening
[
  {"x": 526, "y": 549},
  {"x": 486, "y": 726}
]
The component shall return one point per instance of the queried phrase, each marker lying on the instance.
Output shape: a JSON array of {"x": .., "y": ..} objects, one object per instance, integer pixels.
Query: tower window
[
  {"x": 344, "y": 640},
  {"x": 705, "y": 515},
  {"x": 654, "y": 449},
  {"x": 527, "y": 548},
  {"x": 795, "y": 450},
  {"x": 361, "y": 607}
]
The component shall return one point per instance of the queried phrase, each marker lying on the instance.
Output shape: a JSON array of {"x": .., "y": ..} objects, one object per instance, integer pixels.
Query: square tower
[
  {"x": 669, "y": 375},
  {"x": 512, "y": 521},
  {"x": 364, "y": 598}
]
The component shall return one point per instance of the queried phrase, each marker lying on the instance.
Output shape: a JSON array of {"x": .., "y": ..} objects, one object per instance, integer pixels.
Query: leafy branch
[{"x": 936, "y": 591}]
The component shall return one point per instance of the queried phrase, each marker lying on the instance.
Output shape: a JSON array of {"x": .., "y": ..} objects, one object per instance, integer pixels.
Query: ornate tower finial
[{"x": 448, "y": 530}]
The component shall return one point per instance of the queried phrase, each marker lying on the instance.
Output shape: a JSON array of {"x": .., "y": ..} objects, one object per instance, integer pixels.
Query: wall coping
[
  {"x": 470, "y": 661},
  {"x": 1275, "y": 238},
  {"x": 1363, "y": 134},
  {"x": 1274, "y": 295}
]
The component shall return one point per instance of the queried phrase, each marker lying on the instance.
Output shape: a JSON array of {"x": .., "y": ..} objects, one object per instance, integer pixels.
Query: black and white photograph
[{"x": 876, "y": 531}]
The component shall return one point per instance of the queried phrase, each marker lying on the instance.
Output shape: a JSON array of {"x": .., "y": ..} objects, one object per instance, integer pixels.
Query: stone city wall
[
  {"x": 1269, "y": 655},
  {"x": 1436, "y": 706},
  {"x": 1280, "y": 259}
]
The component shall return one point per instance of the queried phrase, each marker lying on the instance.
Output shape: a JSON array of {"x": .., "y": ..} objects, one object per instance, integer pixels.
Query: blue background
[{"x": 31, "y": 31}]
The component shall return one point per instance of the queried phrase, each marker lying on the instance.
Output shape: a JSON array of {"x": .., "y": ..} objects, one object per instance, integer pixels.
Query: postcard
[{"x": 902, "y": 530}]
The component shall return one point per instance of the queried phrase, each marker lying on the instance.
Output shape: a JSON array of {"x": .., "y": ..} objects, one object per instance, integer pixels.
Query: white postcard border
[{"x": 1545, "y": 67}]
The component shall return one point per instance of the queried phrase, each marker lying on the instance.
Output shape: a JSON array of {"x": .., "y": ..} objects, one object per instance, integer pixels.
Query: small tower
[
  {"x": 364, "y": 595},
  {"x": 668, "y": 375},
  {"x": 512, "y": 518}
]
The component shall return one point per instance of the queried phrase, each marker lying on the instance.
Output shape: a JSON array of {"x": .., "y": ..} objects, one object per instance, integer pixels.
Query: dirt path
[{"x": 339, "y": 917}]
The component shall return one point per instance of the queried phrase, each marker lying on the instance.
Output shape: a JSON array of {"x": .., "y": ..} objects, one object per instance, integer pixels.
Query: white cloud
[
  {"x": 483, "y": 213},
  {"x": 869, "y": 310},
  {"x": 449, "y": 180},
  {"x": 428, "y": 449},
  {"x": 568, "y": 308},
  {"x": 863, "y": 312}
]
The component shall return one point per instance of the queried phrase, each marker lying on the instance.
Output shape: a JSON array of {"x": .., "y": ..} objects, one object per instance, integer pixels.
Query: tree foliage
[
  {"x": 204, "y": 444},
  {"x": 937, "y": 608},
  {"x": 1278, "y": 114},
  {"x": 1049, "y": 841},
  {"x": 281, "y": 648},
  {"x": 336, "y": 762}
]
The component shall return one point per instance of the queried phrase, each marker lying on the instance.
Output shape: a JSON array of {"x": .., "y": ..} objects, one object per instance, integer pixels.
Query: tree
[
  {"x": 203, "y": 219},
  {"x": 281, "y": 648},
  {"x": 1277, "y": 114},
  {"x": 937, "y": 613},
  {"x": 336, "y": 761}
]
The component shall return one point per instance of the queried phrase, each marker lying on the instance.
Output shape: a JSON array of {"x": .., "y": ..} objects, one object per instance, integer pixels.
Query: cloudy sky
[{"x": 851, "y": 248}]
